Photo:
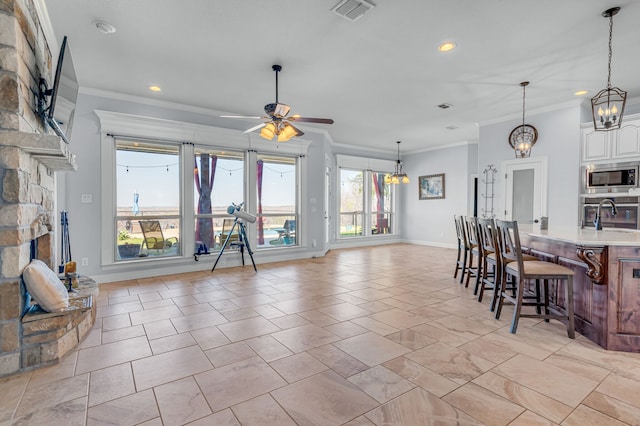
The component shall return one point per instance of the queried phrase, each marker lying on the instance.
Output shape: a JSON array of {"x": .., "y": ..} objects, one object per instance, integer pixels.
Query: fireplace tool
[{"x": 67, "y": 266}]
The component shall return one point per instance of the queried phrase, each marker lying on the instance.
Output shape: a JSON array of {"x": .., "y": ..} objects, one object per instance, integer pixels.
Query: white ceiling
[{"x": 380, "y": 78}]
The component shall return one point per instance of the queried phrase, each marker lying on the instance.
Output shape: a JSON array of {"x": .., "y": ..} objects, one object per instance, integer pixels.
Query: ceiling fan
[{"x": 278, "y": 122}]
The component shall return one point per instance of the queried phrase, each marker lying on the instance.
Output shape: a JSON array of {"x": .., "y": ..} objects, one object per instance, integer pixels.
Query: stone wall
[
  {"x": 27, "y": 182},
  {"x": 24, "y": 57}
]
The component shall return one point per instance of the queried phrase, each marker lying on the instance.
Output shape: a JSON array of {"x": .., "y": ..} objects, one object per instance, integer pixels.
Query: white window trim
[{"x": 129, "y": 125}]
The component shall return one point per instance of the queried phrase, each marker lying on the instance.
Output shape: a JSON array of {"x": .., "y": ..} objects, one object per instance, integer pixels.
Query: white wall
[
  {"x": 559, "y": 141},
  {"x": 430, "y": 222}
]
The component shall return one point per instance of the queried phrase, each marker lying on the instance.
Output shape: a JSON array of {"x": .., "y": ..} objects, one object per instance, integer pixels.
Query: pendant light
[
  {"x": 607, "y": 106},
  {"x": 398, "y": 175},
  {"x": 523, "y": 137}
]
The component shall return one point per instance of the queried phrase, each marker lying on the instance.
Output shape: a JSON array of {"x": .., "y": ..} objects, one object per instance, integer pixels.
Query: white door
[{"x": 525, "y": 189}]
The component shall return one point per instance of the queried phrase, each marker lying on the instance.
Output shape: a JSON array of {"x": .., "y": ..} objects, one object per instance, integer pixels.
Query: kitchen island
[{"x": 606, "y": 282}]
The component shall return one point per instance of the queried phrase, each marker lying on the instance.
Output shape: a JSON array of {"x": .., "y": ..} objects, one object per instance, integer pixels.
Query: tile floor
[{"x": 367, "y": 336}]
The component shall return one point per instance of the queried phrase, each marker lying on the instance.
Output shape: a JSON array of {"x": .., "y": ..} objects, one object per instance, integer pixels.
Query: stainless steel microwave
[{"x": 611, "y": 178}]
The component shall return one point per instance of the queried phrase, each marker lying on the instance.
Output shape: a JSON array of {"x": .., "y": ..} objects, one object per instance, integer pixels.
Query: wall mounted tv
[{"x": 56, "y": 104}]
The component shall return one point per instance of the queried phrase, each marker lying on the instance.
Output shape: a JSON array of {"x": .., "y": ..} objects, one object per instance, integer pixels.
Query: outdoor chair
[
  {"x": 286, "y": 234},
  {"x": 234, "y": 239},
  {"x": 153, "y": 238}
]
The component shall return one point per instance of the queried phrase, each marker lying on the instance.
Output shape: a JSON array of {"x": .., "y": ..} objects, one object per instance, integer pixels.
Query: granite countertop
[{"x": 585, "y": 236}]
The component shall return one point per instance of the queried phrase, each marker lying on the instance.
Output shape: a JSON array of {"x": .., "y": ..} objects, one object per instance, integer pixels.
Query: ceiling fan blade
[
  {"x": 259, "y": 126},
  {"x": 242, "y": 116},
  {"x": 311, "y": 119}
]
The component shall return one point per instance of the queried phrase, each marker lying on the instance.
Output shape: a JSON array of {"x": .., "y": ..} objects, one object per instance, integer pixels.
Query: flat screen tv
[{"x": 56, "y": 104}]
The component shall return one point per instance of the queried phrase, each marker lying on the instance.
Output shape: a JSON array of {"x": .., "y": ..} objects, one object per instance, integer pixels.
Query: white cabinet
[
  {"x": 622, "y": 144},
  {"x": 595, "y": 145},
  {"x": 626, "y": 141}
]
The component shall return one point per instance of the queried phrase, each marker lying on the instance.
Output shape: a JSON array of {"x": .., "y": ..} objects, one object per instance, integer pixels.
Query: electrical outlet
[
  {"x": 84, "y": 261},
  {"x": 87, "y": 198}
]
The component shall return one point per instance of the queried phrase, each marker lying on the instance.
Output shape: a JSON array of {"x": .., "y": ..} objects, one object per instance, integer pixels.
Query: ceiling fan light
[
  {"x": 287, "y": 133},
  {"x": 282, "y": 137},
  {"x": 268, "y": 131}
]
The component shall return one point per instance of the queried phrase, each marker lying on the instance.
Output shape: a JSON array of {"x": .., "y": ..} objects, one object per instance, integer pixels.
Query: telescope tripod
[{"x": 242, "y": 242}]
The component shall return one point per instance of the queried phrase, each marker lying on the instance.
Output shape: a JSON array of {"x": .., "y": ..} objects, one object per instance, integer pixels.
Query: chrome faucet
[{"x": 598, "y": 220}]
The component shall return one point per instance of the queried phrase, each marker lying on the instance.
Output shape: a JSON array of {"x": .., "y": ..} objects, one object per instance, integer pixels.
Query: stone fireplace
[{"x": 30, "y": 158}]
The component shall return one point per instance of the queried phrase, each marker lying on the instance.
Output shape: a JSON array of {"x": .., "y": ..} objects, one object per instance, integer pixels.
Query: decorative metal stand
[{"x": 489, "y": 182}]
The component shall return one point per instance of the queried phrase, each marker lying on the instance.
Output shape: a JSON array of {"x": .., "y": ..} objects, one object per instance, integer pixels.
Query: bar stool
[
  {"x": 489, "y": 279},
  {"x": 492, "y": 263},
  {"x": 461, "y": 262},
  {"x": 474, "y": 249},
  {"x": 521, "y": 270}
]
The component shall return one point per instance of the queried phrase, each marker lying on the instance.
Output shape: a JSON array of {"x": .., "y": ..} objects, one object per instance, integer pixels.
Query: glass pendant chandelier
[
  {"x": 398, "y": 175},
  {"x": 607, "y": 106},
  {"x": 523, "y": 137}
]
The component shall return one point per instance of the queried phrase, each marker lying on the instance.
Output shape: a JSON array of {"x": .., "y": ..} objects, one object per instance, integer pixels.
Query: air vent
[
  {"x": 352, "y": 9},
  {"x": 445, "y": 106}
]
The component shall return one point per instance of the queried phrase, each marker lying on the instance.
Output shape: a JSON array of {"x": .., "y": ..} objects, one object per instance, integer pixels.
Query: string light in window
[
  {"x": 230, "y": 170},
  {"x": 280, "y": 172},
  {"x": 165, "y": 166}
]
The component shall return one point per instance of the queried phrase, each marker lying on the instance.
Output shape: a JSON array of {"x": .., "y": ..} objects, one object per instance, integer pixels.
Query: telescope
[
  {"x": 241, "y": 217},
  {"x": 235, "y": 210}
]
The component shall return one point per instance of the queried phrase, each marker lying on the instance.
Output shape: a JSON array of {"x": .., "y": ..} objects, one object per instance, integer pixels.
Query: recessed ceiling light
[
  {"x": 104, "y": 27},
  {"x": 445, "y": 106},
  {"x": 581, "y": 92},
  {"x": 447, "y": 46},
  {"x": 155, "y": 88}
]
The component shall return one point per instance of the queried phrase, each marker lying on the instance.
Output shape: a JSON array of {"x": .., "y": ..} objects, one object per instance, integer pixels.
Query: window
[
  {"x": 366, "y": 204},
  {"x": 351, "y": 203},
  {"x": 277, "y": 206},
  {"x": 380, "y": 199},
  {"x": 161, "y": 165},
  {"x": 147, "y": 220},
  {"x": 218, "y": 183}
]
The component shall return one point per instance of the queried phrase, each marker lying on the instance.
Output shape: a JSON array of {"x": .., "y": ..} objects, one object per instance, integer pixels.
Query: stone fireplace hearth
[{"x": 30, "y": 158}]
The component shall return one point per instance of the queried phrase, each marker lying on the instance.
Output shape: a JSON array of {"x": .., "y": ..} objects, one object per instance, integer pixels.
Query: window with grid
[{"x": 147, "y": 219}]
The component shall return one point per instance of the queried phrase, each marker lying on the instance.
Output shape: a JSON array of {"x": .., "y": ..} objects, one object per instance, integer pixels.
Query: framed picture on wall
[{"x": 431, "y": 187}]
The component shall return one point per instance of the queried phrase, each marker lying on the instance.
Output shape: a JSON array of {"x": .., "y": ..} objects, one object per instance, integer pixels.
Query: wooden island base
[{"x": 606, "y": 282}]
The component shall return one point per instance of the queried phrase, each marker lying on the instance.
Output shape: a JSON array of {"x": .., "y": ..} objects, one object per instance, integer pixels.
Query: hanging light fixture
[
  {"x": 607, "y": 106},
  {"x": 398, "y": 175},
  {"x": 268, "y": 131},
  {"x": 523, "y": 137},
  {"x": 282, "y": 130}
]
